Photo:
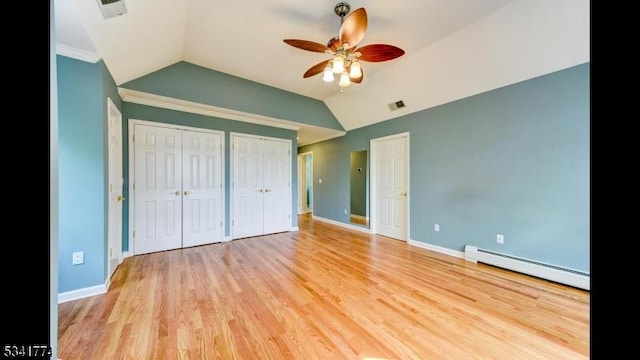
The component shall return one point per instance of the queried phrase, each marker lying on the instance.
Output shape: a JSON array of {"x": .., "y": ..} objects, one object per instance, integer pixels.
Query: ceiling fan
[{"x": 346, "y": 58}]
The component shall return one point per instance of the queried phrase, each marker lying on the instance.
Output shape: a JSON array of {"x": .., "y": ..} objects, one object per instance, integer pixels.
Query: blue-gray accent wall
[
  {"x": 150, "y": 113},
  {"x": 187, "y": 81},
  {"x": 515, "y": 161},
  {"x": 83, "y": 89}
]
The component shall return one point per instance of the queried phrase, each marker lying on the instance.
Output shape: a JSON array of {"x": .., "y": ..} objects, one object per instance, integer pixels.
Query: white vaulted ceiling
[{"x": 454, "y": 48}]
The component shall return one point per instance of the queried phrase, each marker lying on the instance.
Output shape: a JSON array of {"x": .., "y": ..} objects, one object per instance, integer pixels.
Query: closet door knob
[
  {"x": 177, "y": 193},
  {"x": 120, "y": 198},
  {"x": 259, "y": 190},
  {"x": 187, "y": 193},
  {"x": 267, "y": 190}
]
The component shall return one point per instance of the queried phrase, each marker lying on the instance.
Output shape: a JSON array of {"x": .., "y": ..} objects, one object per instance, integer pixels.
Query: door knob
[
  {"x": 267, "y": 190},
  {"x": 259, "y": 190},
  {"x": 187, "y": 193},
  {"x": 120, "y": 198},
  {"x": 177, "y": 193},
  {"x": 404, "y": 193}
]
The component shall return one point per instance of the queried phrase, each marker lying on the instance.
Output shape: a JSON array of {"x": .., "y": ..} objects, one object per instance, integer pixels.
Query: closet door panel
[
  {"x": 277, "y": 185},
  {"x": 158, "y": 187},
  {"x": 202, "y": 187},
  {"x": 247, "y": 189}
]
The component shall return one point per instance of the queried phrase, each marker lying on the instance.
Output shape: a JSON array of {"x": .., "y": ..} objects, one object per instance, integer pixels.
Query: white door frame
[
  {"x": 131, "y": 176},
  {"x": 374, "y": 143},
  {"x": 114, "y": 250},
  {"x": 302, "y": 187}
]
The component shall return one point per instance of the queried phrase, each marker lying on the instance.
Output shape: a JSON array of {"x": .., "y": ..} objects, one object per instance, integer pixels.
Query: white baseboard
[
  {"x": 83, "y": 293},
  {"x": 126, "y": 254},
  {"x": 226, "y": 239},
  {"x": 439, "y": 249},
  {"x": 344, "y": 225},
  {"x": 294, "y": 228}
]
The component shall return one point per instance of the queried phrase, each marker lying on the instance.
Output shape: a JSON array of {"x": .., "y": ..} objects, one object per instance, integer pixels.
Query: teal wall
[
  {"x": 515, "y": 161},
  {"x": 150, "y": 113},
  {"x": 82, "y": 96},
  {"x": 187, "y": 81}
]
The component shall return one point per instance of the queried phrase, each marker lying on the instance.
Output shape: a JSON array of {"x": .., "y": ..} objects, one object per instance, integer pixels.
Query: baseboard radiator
[{"x": 555, "y": 273}]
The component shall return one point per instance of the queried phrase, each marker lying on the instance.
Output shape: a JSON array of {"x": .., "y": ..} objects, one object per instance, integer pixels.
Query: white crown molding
[
  {"x": 144, "y": 98},
  {"x": 77, "y": 54}
]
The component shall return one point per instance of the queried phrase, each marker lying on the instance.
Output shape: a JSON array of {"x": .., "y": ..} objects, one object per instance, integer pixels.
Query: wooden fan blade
[
  {"x": 316, "y": 69},
  {"x": 307, "y": 45},
  {"x": 379, "y": 52},
  {"x": 354, "y": 27}
]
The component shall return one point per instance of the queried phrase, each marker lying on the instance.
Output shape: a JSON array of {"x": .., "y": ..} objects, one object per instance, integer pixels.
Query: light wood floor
[{"x": 322, "y": 293}]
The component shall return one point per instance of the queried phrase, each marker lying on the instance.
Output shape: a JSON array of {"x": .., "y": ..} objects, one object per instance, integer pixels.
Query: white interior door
[
  {"x": 202, "y": 185},
  {"x": 261, "y": 186},
  {"x": 114, "y": 128},
  {"x": 391, "y": 186},
  {"x": 277, "y": 186},
  {"x": 158, "y": 189},
  {"x": 248, "y": 211}
]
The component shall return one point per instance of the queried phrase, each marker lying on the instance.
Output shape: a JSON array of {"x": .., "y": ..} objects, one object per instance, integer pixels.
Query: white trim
[
  {"x": 438, "y": 249},
  {"x": 294, "y": 228},
  {"x": 341, "y": 224},
  {"x": 226, "y": 239},
  {"x": 78, "y": 54},
  {"x": 82, "y": 293},
  {"x": 373, "y": 144},
  {"x": 126, "y": 254},
  {"x": 165, "y": 102},
  {"x": 177, "y": 127}
]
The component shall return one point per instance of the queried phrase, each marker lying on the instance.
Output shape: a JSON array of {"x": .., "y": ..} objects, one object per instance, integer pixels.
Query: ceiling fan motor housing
[{"x": 342, "y": 9}]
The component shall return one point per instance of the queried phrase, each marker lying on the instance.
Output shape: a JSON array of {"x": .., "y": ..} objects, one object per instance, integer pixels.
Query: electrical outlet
[
  {"x": 78, "y": 258},
  {"x": 500, "y": 238},
  {"x": 436, "y": 227}
]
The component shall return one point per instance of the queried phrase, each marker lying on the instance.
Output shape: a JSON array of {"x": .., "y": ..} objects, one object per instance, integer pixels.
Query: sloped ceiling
[{"x": 454, "y": 48}]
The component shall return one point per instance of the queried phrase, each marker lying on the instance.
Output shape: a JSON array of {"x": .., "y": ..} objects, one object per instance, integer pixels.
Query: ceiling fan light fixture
[
  {"x": 337, "y": 65},
  {"x": 355, "y": 70},
  {"x": 327, "y": 75},
  {"x": 344, "y": 79}
]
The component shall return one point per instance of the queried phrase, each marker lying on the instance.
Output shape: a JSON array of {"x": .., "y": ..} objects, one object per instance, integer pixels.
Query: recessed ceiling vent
[
  {"x": 396, "y": 105},
  {"x": 111, "y": 8}
]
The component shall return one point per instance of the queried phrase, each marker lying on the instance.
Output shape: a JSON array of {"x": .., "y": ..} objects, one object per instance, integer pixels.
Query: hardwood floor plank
[{"x": 323, "y": 292}]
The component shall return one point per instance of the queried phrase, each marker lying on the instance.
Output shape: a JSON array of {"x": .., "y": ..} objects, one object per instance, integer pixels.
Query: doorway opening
[{"x": 305, "y": 183}]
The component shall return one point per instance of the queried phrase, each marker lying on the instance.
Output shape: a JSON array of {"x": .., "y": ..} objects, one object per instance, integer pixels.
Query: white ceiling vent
[
  {"x": 396, "y": 105},
  {"x": 111, "y": 8}
]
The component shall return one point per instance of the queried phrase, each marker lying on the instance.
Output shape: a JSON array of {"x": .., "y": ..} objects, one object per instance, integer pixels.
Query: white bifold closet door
[
  {"x": 178, "y": 188},
  {"x": 261, "y": 185}
]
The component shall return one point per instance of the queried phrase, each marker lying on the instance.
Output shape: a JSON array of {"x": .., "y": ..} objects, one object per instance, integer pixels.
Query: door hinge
[
  {"x": 233, "y": 222},
  {"x": 134, "y": 186},
  {"x": 134, "y": 138},
  {"x": 220, "y": 224},
  {"x": 134, "y": 234}
]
